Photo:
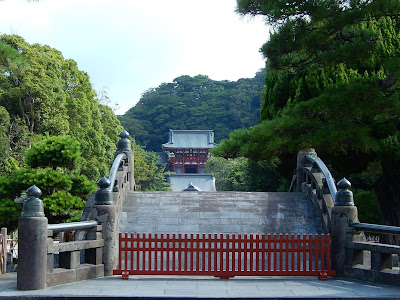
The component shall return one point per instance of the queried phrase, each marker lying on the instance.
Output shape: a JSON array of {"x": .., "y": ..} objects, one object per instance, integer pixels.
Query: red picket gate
[{"x": 224, "y": 255}]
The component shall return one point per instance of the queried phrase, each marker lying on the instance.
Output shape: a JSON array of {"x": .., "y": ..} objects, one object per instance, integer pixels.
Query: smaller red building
[{"x": 188, "y": 150}]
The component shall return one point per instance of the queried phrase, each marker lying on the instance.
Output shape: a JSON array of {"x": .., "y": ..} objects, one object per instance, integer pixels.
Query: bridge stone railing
[
  {"x": 351, "y": 254},
  {"x": 96, "y": 233},
  {"x": 36, "y": 249},
  {"x": 314, "y": 179}
]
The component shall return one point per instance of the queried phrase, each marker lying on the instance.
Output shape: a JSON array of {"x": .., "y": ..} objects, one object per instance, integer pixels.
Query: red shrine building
[{"x": 188, "y": 150}]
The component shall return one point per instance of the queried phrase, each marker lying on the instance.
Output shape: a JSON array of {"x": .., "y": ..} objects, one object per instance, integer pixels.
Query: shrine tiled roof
[
  {"x": 190, "y": 139},
  {"x": 202, "y": 182}
]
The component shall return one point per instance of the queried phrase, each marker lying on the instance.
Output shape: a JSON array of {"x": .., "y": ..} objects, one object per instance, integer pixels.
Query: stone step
[{"x": 219, "y": 212}]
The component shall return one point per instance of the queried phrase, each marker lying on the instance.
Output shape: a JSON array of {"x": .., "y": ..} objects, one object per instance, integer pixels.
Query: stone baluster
[
  {"x": 124, "y": 146},
  {"x": 301, "y": 163},
  {"x": 343, "y": 213},
  {"x": 32, "y": 243}
]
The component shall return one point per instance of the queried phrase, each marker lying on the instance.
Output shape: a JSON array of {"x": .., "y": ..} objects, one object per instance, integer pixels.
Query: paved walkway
[{"x": 206, "y": 288}]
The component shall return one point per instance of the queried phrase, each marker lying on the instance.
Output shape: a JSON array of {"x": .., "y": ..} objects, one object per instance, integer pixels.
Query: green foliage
[
  {"x": 57, "y": 151},
  {"x": 331, "y": 84},
  {"x": 148, "y": 176},
  {"x": 9, "y": 213},
  {"x": 45, "y": 93},
  {"x": 64, "y": 191},
  {"x": 367, "y": 206},
  {"x": 242, "y": 174},
  {"x": 63, "y": 206},
  {"x": 194, "y": 103},
  {"x": 4, "y": 143}
]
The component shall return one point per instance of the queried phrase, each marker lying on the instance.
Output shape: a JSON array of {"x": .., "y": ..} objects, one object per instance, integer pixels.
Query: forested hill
[{"x": 194, "y": 103}]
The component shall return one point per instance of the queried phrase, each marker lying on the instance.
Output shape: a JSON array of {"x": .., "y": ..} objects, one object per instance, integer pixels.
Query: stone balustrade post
[
  {"x": 343, "y": 213},
  {"x": 32, "y": 243},
  {"x": 124, "y": 146},
  {"x": 301, "y": 163},
  {"x": 105, "y": 211}
]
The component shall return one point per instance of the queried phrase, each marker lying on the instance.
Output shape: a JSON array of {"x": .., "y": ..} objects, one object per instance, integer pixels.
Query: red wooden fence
[{"x": 224, "y": 255}]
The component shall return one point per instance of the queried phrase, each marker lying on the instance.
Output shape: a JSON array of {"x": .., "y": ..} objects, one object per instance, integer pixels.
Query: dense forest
[
  {"x": 55, "y": 133},
  {"x": 194, "y": 103},
  {"x": 331, "y": 84}
]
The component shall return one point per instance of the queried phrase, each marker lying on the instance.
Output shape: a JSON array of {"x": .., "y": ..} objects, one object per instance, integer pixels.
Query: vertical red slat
[
  {"x": 168, "y": 252},
  {"x": 150, "y": 251},
  {"x": 275, "y": 251},
  {"x": 198, "y": 252},
  {"x": 178, "y": 250},
  {"x": 328, "y": 252},
  {"x": 239, "y": 245},
  {"x": 298, "y": 252},
  {"x": 304, "y": 253},
  {"x": 251, "y": 252},
  {"x": 206, "y": 253},
  {"x": 120, "y": 250},
  {"x": 222, "y": 244},
  {"x": 322, "y": 250},
  {"x": 155, "y": 250},
  {"x": 186, "y": 251},
  {"x": 269, "y": 252},
  {"x": 245, "y": 243},
  {"x": 126, "y": 252},
  {"x": 137, "y": 251},
  {"x": 263, "y": 253},
  {"x": 311, "y": 250},
  {"x": 162, "y": 252},
  {"x": 192, "y": 251},
  {"x": 257, "y": 253},
  {"x": 132, "y": 252},
  {"x": 215, "y": 252},
  {"x": 292, "y": 251},
  {"x": 233, "y": 253},
  {"x": 174, "y": 249},
  {"x": 143, "y": 243},
  {"x": 280, "y": 251},
  {"x": 315, "y": 253},
  {"x": 286, "y": 252}
]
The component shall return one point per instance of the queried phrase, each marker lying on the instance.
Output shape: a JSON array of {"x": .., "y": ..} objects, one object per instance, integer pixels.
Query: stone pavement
[
  {"x": 219, "y": 212},
  {"x": 174, "y": 287}
]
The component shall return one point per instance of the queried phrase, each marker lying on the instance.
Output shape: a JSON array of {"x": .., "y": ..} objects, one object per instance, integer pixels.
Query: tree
[
  {"x": 45, "y": 93},
  {"x": 242, "y": 174},
  {"x": 148, "y": 176},
  {"x": 52, "y": 167},
  {"x": 331, "y": 84},
  {"x": 194, "y": 103}
]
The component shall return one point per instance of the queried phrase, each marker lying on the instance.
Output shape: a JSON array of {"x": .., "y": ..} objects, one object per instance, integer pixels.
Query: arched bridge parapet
[{"x": 313, "y": 178}]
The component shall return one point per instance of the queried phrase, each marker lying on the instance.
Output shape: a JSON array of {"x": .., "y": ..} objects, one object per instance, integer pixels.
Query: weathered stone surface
[
  {"x": 32, "y": 250},
  {"x": 106, "y": 215},
  {"x": 214, "y": 212},
  {"x": 62, "y": 276}
]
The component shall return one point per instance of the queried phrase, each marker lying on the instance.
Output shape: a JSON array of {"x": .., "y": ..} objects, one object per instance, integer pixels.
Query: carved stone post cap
[
  {"x": 344, "y": 184},
  {"x": 344, "y": 197},
  {"x": 103, "y": 195},
  {"x": 124, "y": 144},
  {"x": 33, "y": 206},
  {"x": 34, "y": 191},
  {"x": 103, "y": 183},
  {"x": 124, "y": 134}
]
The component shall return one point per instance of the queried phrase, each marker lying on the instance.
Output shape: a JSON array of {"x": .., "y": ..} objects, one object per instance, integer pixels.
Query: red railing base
[
  {"x": 323, "y": 276},
  {"x": 125, "y": 275},
  {"x": 224, "y": 277}
]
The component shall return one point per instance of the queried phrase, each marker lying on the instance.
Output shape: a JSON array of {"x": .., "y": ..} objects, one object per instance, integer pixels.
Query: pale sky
[{"x": 130, "y": 46}]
